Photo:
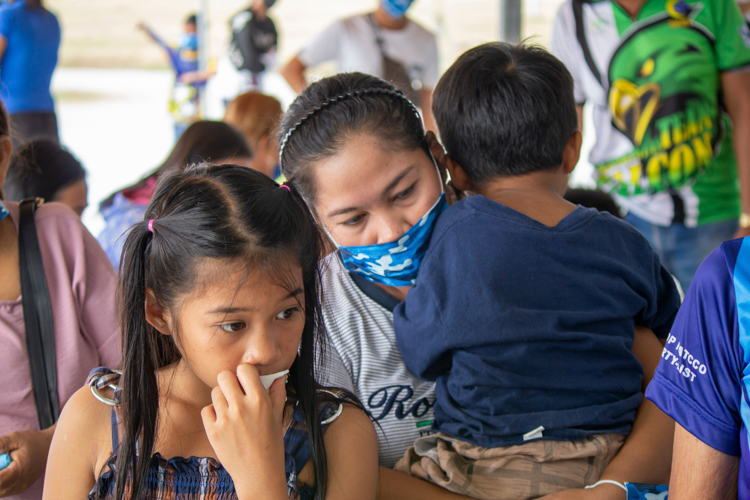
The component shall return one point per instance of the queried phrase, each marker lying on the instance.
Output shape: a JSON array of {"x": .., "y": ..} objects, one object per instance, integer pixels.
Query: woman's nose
[
  {"x": 392, "y": 229},
  {"x": 262, "y": 348}
]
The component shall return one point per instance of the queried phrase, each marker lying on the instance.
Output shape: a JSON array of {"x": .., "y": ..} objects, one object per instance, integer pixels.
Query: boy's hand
[{"x": 244, "y": 426}]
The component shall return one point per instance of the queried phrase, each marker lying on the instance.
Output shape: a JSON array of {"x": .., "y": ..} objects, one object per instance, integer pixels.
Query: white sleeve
[
  {"x": 564, "y": 45},
  {"x": 324, "y": 47},
  {"x": 431, "y": 73},
  {"x": 333, "y": 373}
]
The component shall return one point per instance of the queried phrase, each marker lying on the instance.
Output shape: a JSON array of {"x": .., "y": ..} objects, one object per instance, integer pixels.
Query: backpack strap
[
  {"x": 37, "y": 317},
  {"x": 581, "y": 37}
]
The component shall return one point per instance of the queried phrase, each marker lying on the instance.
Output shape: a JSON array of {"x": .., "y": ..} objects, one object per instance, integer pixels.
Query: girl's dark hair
[
  {"x": 41, "y": 168},
  {"x": 217, "y": 212},
  {"x": 332, "y": 110},
  {"x": 203, "y": 141}
]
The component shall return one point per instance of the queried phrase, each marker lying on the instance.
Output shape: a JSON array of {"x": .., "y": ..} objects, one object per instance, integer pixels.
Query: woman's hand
[
  {"x": 28, "y": 452},
  {"x": 244, "y": 426},
  {"x": 601, "y": 492}
]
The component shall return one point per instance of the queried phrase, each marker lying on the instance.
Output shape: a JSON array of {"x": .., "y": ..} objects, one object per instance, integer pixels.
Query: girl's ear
[{"x": 155, "y": 315}]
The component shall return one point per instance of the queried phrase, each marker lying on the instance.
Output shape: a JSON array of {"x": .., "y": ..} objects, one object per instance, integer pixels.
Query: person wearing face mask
[{"x": 383, "y": 43}]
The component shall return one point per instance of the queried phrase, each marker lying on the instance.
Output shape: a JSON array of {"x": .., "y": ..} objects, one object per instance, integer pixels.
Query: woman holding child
[{"x": 355, "y": 148}]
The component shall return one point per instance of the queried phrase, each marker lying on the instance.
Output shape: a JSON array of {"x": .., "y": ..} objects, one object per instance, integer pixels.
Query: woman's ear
[{"x": 155, "y": 315}]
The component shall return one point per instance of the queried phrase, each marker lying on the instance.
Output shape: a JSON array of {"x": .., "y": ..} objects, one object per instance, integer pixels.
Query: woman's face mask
[{"x": 396, "y": 8}]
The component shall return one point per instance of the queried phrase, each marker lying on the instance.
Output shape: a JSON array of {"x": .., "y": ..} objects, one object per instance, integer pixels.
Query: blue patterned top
[{"x": 202, "y": 478}]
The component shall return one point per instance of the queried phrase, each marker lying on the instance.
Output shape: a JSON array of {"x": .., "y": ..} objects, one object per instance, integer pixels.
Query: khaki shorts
[{"x": 520, "y": 472}]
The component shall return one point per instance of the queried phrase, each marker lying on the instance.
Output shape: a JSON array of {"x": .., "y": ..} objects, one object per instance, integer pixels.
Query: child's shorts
[{"x": 520, "y": 472}]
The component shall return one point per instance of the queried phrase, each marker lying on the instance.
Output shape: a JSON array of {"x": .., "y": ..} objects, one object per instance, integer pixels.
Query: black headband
[{"x": 335, "y": 99}]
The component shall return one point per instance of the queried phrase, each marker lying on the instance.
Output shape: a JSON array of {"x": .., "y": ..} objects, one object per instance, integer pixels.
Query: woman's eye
[
  {"x": 288, "y": 313},
  {"x": 406, "y": 192},
  {"x": 233, "y": 327},
  {"x": 354, "y": 220}
]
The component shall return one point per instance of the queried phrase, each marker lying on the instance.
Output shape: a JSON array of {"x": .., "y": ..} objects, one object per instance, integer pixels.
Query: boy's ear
[
  {"x": 459, "y": 177},
  {"x": 572, "y": 152},
  {"x": 155, "y": 315}
]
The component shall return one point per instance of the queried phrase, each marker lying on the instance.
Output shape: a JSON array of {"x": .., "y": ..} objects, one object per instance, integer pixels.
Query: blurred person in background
[
  {"x": 671, "y": 147},
  {"x": 81, "y": 285},
  {"x": 29, "y": 41},
  {"x": 384, "y": 43},
  {"x": 44, "y": 169},
  {"x": 253, "y": 47},
  {"x": 257, "y": 116},
  {"x": 184, "y": 101},
  {"x": 203, "y": 141}
]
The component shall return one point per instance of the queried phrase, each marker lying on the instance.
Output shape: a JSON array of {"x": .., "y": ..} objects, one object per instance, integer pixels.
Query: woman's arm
[
  {"x": 80, "y": 446},
  {"x": 699, "y": 471},
  {"x": 28, "y": 451},
  {"x": 646, "y": 456},
  {"x": 394, "y": 485},
  {"x": 294, "y": 74}
]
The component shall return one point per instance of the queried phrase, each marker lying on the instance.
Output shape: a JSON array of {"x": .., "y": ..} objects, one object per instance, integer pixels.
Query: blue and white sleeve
[{"x": 698, "y": 381}]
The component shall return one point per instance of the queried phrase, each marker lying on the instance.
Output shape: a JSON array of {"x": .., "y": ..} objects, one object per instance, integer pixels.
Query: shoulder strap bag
[{"x": 37, "y": 317}]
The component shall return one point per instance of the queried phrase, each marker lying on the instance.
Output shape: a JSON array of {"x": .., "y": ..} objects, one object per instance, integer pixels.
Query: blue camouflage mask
[
  {"x": 396, "y": 8},
  {"x": 3, "y": 211},
  {"x": 395, "y": 263}
]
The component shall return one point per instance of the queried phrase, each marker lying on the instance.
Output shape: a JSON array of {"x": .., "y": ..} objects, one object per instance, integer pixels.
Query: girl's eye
[
  {"x": 406, "y": 192},
  {"x": 233, "y": 327},
  {"x": 288, "y": 313},
  {"x": 354, "y": 220}
]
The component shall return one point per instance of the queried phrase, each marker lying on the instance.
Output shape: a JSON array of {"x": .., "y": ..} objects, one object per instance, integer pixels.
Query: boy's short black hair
[
  {"x": 505, "y": 110},
  {"x": 192, "y": 19}
]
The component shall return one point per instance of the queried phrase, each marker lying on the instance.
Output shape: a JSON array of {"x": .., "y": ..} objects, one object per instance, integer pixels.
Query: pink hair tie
[
  {"x": 151, "y": 225},
  {"x": 285, "y": 187}
]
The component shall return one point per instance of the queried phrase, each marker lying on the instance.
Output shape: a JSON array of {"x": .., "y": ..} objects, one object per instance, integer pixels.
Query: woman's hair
[
  {"x": 203, "y": 141},
  {"x": 255, "y": 115},
  {"x": 229, "y": 213},
  {"x": 41, "y": 168},
  {"x": 4, "y": 132},
  {"x": 331, "y": 111}
]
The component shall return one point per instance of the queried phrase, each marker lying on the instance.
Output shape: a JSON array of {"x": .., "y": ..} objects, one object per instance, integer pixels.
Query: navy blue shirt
[
  {"x": 33, "y": 36},
  {"x": 524, "y": 325}
]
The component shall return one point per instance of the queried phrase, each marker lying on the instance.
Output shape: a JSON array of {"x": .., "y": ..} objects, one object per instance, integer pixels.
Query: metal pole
[
  {"x": 202, "y": 32},
  {"x": 510, "y": 21}
]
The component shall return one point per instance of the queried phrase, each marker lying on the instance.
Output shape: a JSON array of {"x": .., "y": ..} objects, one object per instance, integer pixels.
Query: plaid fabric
[
  {"x": 197, "y": 478},
  {"x": 520, "y": 472}
]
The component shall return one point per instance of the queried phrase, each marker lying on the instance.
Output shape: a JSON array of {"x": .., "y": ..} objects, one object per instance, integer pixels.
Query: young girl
[{"x": 219, "y": 288}]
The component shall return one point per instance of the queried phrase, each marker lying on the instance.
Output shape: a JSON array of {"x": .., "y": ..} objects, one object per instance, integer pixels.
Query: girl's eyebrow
[
  {"x": 231, "y": 310},
  {"x": 388, "y": 188}
]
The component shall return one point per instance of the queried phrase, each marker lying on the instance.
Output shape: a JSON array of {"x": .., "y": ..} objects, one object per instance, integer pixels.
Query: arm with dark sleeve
[
  {"x": 6, "y": 27},
  {"x": 660, "y": 292},
  {"x": 418, "y": 320}
]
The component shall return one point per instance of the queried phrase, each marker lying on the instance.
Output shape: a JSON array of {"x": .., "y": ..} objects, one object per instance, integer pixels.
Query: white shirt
[
  {"x": 363, "y": 357},
  {"x": 352, "y": 44}
]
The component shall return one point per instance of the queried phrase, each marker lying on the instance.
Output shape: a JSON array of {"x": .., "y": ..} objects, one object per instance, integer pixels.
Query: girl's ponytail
[{"x": 144, "y": 351}]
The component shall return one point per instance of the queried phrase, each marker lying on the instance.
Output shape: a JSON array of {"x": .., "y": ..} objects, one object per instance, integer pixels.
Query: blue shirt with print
[{"x": 703, "y": 377}]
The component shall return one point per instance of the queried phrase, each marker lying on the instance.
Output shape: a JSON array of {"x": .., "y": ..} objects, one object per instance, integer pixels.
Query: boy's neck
[
  {"x": 538, "y": 195},
  {"x": 387, "y": 22}
]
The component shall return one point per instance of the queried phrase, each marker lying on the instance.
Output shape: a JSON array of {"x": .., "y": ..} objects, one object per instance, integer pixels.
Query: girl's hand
[{"x": 244, "y": 426}]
